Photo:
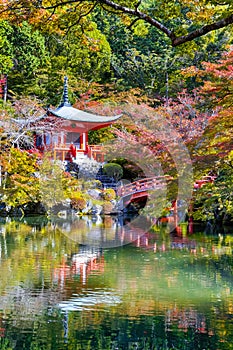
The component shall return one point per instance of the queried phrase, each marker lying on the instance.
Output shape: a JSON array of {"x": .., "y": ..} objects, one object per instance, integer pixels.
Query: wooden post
[{"x": 175, "y": 214}]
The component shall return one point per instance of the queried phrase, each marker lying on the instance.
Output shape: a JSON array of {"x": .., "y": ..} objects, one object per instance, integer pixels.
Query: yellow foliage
[
  {"x": 107, "y": 207},
  {"x": 78, "y": 201},
  {"x": 109, "y": 194}
]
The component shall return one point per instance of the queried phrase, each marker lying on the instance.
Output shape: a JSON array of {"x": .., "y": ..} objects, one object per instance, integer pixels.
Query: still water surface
[{"x": 162, "y": 291}]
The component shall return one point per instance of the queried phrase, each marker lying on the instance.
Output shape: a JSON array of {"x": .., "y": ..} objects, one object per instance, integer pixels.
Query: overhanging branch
[
  {"x": 203, "y": 30},
  {"x": 140, "y": 15},
  {"x": 176, "y": 40}
]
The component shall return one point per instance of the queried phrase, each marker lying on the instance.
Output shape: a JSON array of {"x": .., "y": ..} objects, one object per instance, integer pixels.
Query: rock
[
  {"x": 107, "y": 208},
  {"x": 62, "y": 214},
  {"x": 94, "y": 193},
  {"x": 88, "y": 208},
  {"x": 96, "y": 209}
]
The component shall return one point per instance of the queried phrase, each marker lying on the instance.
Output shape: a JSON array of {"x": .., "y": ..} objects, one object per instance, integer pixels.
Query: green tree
[
  {"x": 51, "y": 181},
  {"x": 6, "y": 48},
  {"x": 84, "y": 57},
  {"x": 215, "y": 201},
  {"x": 30, "y": 58}
]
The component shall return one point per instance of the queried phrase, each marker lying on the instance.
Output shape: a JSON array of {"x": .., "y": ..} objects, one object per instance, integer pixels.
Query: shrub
[
  {"x": 78, "y": 202},
  {"x": 109, "y": 194},
  {"x": 113, "y": 170}
]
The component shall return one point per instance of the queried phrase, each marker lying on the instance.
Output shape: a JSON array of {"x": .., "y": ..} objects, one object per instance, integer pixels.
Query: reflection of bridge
[{"x": 139, "y": 189}]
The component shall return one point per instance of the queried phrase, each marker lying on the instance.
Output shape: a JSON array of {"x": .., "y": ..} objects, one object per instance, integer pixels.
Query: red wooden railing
[
  {"x": 204, "y": 180},
  {"x": 66, "y": 152},
  {"x": 96, "y": 152},
  {"x": 143, "y": 185},
  {"x": 156, "y": 182}
]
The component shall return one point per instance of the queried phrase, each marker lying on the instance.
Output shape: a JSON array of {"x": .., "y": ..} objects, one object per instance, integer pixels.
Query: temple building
[{"x": 69, "y": 139}]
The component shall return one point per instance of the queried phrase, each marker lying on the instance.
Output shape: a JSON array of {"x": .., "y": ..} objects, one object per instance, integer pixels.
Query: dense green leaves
[
  {"x": 6, "y": 48},
  {"x": 113, "y": 170}
]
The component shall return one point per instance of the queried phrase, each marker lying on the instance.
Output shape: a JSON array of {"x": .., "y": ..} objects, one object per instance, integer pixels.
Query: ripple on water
[{"x": 91, "y": 300}]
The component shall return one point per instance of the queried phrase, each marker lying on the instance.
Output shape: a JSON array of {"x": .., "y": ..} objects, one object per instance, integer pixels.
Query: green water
[{"x": 162, "y": 291}]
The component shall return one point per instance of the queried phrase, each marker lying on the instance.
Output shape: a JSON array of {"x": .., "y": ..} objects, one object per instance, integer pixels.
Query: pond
[{"x": 100, "y": 283}]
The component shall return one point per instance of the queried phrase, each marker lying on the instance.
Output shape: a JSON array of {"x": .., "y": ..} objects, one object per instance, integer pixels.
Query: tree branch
[
  {"x": 170, "y": 33},
  {"x": 140, "y": 15},
  {"x": 202, "y": 31}
]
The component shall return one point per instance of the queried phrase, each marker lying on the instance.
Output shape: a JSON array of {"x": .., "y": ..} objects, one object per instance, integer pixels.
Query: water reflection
[
  {"x": 90, "y": 301},
  {"x": 105, "y": 232},
  {"x": 162, "y": 291}
]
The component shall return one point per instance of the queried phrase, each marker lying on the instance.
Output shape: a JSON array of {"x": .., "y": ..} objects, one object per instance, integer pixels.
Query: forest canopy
[{"x": 180, "y": 21}]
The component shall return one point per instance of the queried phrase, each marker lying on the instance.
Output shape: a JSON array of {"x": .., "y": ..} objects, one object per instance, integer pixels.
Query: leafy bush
[
  {"x": 78, "y": 202},
  {"x": 109, "y": 194},
  {"x": 113, "y": 170}
]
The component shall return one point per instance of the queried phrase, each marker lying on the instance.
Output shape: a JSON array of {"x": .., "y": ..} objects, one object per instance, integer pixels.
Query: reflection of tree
[
  {"x": 107, "y": 231},
  {"x": 138, "y": 296},
  {"x": 185, "y": 319}
]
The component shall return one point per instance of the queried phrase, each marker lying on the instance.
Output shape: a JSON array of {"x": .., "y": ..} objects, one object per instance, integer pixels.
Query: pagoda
[{"x": 69, "y": 140}]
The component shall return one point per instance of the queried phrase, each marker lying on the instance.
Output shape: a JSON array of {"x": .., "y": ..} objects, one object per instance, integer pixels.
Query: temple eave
[{"x": 73, "y": 114}]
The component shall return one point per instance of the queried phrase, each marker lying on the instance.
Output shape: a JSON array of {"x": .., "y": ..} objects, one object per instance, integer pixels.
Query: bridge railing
[{"x": 143, "y": 185}]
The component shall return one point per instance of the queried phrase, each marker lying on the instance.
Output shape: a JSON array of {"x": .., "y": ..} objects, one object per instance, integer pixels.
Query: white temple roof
[{"x": 70, "y": 113}]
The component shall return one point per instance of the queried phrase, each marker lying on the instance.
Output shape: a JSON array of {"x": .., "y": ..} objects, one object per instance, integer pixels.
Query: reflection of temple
[
  {"x": 87, "y": 263},
  {"x": 81, "y": 264}
]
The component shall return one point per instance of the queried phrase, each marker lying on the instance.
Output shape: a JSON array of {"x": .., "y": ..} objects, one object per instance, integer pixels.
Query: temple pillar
[{"x": 84, "y": 141}]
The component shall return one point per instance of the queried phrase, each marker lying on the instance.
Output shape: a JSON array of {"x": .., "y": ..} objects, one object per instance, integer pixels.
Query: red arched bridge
[{"x": 136, "y": 190}]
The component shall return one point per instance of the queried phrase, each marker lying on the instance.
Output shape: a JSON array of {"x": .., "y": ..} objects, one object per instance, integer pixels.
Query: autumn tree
[
  {"x": 142, "y": 57},
  {"x": 216, "y": 92},
  {"x": 180, "y": 21},
  {"x": 19, "y": 185},
  {"x": 212, "y": 151},
  {"x": 89, "y": 43}
]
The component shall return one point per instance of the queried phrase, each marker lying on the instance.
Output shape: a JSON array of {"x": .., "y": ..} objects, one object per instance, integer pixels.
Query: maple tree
[
  {"x": 212, "y": 151},
  {"x": 180, "y": 21},
  {"x": 216, "y": 90}
]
